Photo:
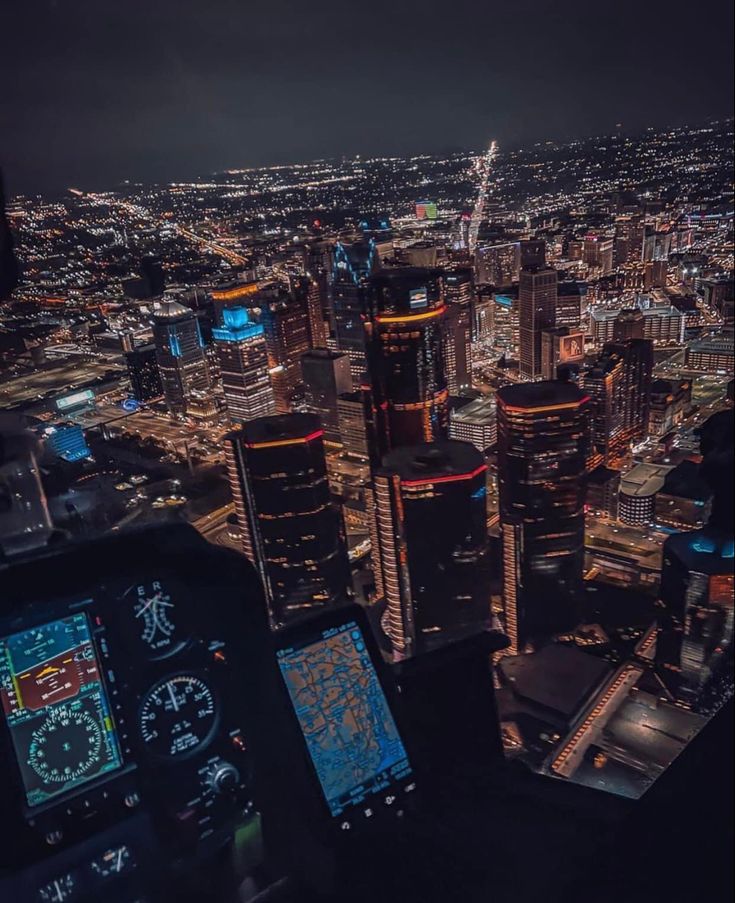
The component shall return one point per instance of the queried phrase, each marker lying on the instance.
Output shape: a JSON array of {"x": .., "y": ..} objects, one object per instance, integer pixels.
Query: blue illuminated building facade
[
  {"x": 66, "y": 441},
  {"x": 243, "y": 358},
  {"x": 352, "y": 266},
  {"x": 182, "y": 364},
  {"x": 696, "y": 610}
]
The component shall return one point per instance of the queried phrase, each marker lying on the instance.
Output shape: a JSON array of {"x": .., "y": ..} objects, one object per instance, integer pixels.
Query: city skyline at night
[{"x": 464, "y": 389}]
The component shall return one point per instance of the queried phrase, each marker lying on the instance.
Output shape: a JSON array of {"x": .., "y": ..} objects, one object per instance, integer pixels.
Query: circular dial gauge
[
  {"x": 114, "y": 861},
  {"x": 58, "y": 890},
  {"x": 155, "y": 618},
  {"x": 178, "y": 716},
  {"x": 65, "y": 746}
]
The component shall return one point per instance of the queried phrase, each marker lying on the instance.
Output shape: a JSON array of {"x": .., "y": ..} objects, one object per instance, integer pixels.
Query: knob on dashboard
[{"x": 224, "y": 778}]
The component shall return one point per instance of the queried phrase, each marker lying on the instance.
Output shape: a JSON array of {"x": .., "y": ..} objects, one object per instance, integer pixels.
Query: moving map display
[
  {"x": 56, "y": 708},
  {"x": 349, "y": 729}
]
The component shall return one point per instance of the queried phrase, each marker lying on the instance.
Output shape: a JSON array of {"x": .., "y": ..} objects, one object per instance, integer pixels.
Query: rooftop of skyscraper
[
  {"x": 540, "y": 394},
  {"x": 441, "y": 458}
]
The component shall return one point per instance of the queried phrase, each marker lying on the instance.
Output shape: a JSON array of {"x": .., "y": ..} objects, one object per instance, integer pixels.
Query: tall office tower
[
  {"x": 604, "y": 382},
  {"x": 598, "y": 253},
  {"x": 628, "y": 239},
  {"x": 326, "y": 376},
  {"x": 433, "y": 544},
  {"x": 629, "y": 324},
  {"x": 288, "y": 525},
  {"x": 286, "y": 325},
  {"x": 536, "y": 311},
  {"x": 498, "y": 264},
  {"x": 457, "y": 335},
  {"x": 569, "y": 304},
  {"x": 353, "y": 265},
  {"x": 637, "y": 355},
  {"x": 315, "y": 306},
  {"x": 151, "y": 272},
  {"x": 181, "y": 360},
  {"x": 409, "y": 398},
  {"x": 532, "y": 254},
  {"x": 145, "y": 380},
  {"x": 560, "y": 346},
  {"x": 657, "y": 245},
  {"x": 669, "y": 402},
  {"x": 318, "y": 267},
  {"x": 543, "y": 439},
  {"x": 352, "y": 424},
  {"x": 243, "y": 364},
  {"x": 655, "y": 274},
  {"x": 697, "y": 596}
]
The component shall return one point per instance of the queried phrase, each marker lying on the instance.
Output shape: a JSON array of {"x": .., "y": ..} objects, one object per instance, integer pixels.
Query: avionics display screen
[
  {"x": 56, "y": 708},
  {"x": 349, "y": 729}
]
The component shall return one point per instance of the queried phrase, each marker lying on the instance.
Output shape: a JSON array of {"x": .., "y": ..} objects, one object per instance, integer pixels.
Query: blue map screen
[{"x": 349, "y": 729}]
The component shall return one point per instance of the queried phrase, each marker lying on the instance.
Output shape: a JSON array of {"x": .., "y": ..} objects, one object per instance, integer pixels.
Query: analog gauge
[
  {"x": 66, "y": 745},
  {"x": 59, "y": 889},
  {"x": 178, "y": 716},
  {"x": 155, "y": 618},
  {"x": 115, "y": 861}
]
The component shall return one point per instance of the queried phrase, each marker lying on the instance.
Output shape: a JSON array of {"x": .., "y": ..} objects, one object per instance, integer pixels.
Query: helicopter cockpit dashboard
[{"x": 160, "y": 743}]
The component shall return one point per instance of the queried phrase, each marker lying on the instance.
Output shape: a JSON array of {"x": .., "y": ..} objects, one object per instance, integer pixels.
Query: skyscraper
[
  {"x": 637, "y": 356},
  {"x": 543, "y": 438},
  {"x": 536, "y": 306},
  {"x": 352, "y": 425},
  {"x": 145, "y": 380},
  {"x": 290, "y": 530},
  {"x": 604, "y": 382},
  {"x": 433, "y": 547},
  {"x": 181, "y": 360},
  {"x": 353, "y": 265},
  {"x": 569, "y": 304},
  {"x": 326, "y": 376},
  {"x": 243, "y": 361},
  {"x": 409, "y": 397},
  {"x": 697, "y": 598},
  {"x": 287, "y": 336},
  {"x": 457, "y": 329}
]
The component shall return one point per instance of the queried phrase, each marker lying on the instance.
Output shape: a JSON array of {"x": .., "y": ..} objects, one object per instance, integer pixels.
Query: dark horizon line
[{"x": 330, "y": 158}]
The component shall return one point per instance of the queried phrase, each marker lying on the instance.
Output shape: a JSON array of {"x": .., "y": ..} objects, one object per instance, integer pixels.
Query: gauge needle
[
  {"x": 148, "y": 604},
  {"x": 118, "y": 864},
  {"x": 173, "y": 698}
]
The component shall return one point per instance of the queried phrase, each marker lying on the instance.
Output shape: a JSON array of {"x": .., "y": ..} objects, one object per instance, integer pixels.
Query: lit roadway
[
  {"x": 136, "y": 210},
  {"x": 477, "y": 214}
]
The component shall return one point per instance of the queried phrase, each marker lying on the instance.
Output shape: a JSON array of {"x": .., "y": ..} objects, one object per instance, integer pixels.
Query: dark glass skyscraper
[
  {"x": 181, "y": 360},
  {"x": 432, "y": 533},
  {"x": 352, "y": 266},
  {"x": 289, "y": 527},
  {"x": 327, "y": 375},
  {"x": 537, "y": 295},
  {"x": 457, "y": 329},
  {"x": 145, "y": 380},
  {"x": 697, "y": 598},
  {"x": 637, "y": 357},
  {"x": 409, "y": 397},
  {"x": 543, "y": 439},
  {"x": 287, "y": 336}
]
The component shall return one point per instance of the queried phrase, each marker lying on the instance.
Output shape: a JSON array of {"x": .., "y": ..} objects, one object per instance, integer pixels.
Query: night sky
[{"x": 97, "y": 91}]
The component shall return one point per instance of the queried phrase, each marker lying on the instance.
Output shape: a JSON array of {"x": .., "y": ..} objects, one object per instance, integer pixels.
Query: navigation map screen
[
  {"x": 348, "y": 726},
  {"x": 56, "y": 707}
]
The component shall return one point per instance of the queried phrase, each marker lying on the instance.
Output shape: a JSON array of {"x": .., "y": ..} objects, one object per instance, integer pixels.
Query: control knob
[{"x": 224, "y": 778}]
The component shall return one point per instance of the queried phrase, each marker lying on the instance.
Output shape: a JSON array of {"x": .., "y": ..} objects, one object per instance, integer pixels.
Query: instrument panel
[{"x": 124, "y": 701}]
